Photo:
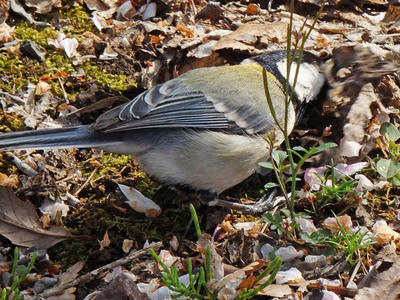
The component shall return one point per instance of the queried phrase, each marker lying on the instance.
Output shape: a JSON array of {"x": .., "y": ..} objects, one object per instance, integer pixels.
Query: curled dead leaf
[
  {"x": 384, "y": 233},
  {"x": 127, "y": 245},
  {"x": 252, "y": 9},
  {"x": 20, "y": 223},
  {"x": 185, "y": 31},
  {"x": 332, "y": 223},
  {"x": 105, "y": 242},
  {"x": 139, "y": 202},
  {"x": 8, "y": 180}
]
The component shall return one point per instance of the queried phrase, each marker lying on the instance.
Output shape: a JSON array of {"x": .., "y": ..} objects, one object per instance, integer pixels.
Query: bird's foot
[{"x": 266, "y": 203}]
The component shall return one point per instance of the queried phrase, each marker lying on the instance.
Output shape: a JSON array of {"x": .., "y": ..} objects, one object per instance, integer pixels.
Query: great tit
[{"x": 206, "y": 129}]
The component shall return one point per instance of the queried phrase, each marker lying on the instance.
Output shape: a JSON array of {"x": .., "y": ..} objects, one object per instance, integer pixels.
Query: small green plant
[
  {"x": 348, "y": 241},
  {"x": 276, "y": 221},
  {"x": 197, "y": 287},
  {"x": 334, "y": 189},
  {"x": 389, "y": 167},
  {"x": 197, "y": 282},
  {"x": 271, "y": 271},
  {"x": 279, "y": 223},
  {"x": 280, "y": 165},
  {"x": 294, "y": 55},
  {"x": 317, "y": 237},
  {"x": 18, "y": 275}
]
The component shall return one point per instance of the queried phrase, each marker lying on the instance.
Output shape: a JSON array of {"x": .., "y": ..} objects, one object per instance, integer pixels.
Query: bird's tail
[{"x": 54, "y": 138}]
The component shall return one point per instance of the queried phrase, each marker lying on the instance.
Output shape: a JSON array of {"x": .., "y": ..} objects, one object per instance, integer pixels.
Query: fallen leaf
[
  {"x": 105, "y": 242},
  {"x": 66, "y": 277},
  {"x": 127, "y": 245},
  {"x": 276, "y": 290},
  {"x": 332, "y": 223},
  {"x": 204, "y": 242},
  {"x": 54, "y": 208},
  {"x": 383, "y": 285},
  {"x": 20, "y": 223},
  {"x": 384, "y": 233},
  {"x": 42, "y": 88},
  {"x": 185, "y": 31},
  {"x": 43, "y": 6},
  {"x": 140, "y": 203},
  {"x": 292, "y": 275},
  {"x": 252, "y": 9},
  {"x": 45, "y": 220},
  {"x": 247, "y": 36},
  {"x": 8, "y": 180},
  {"x": 248, "y": 282}
]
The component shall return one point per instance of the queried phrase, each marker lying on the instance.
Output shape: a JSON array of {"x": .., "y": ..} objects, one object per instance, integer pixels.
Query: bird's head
[{"x": 310, "y": 78}]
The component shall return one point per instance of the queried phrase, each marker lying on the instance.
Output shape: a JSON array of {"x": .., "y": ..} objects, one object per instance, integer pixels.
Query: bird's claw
[{"x": 266, "y": 203}]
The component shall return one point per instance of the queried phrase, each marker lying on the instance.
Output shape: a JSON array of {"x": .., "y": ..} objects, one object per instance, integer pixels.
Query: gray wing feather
[{"x": 179, "y": 104}]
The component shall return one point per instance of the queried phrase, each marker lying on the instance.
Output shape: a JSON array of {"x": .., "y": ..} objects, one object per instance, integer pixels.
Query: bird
[{"x": 206, "y": 129}]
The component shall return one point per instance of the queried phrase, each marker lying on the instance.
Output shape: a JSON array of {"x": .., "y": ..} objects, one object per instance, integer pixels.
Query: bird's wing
[{"x": 231, "y": 98}]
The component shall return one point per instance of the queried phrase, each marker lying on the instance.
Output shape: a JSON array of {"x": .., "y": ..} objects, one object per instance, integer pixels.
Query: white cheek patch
[{"x": 309, "y": 80}]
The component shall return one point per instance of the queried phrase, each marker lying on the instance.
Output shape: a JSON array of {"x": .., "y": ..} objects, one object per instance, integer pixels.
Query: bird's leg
[{"x": 264, "y": 204}]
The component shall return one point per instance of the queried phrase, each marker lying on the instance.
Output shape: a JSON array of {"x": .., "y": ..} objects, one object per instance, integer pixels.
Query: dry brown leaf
[
  {"x": 247, "y": 35},
  {"x": 332, "y": 223},
  {"x": 20, "y": 223},
  {"x": 212, "y": 11},
  {"x": 186, "y": 32},
  {"x": 105, "y": 242},
  {"x": 43, "y": 6},
  {"x": 322, "y": 42},
  {"x": 127, "y": 245},
  {"x": 97, "y": 5},
  {"x": 392, "y": 14},
  {"x": 384, "y": 285},
  {"x": 252, "y": 9},
  {"x": 240, "y": 274},
  {"x": 248, "y": 282},
  {"x": 276, "y": 290},
  {"x": 384, "y": 233},
  {"x": 45, "y": 220},
  {"x": 66, "y": 277},
  {"x": 217, "y": 267},
  {"x": 138, "y": 202},
  {"x": 8, "y": 180}
]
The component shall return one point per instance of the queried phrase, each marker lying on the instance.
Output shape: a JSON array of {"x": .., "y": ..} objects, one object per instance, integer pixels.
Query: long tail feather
[{"x": 55, "y": 138}]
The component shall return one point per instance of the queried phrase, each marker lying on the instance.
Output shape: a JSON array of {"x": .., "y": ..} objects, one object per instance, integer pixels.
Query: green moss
[
  {"x": 110, "y": 162},
  {"x": 11, "y": 122},
  {"x": 78, "y": 21},
  {"x": 114, "y": 81},
  {"x": 13, "y": 74},
  {"x": 27, "y": 31}
]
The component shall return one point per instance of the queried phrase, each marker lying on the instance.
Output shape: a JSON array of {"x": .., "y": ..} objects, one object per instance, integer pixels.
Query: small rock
[
  {"x": 5, "y": 278},
  {"x": 33, "y": 50},
  {"x": 44, "y": 283}
]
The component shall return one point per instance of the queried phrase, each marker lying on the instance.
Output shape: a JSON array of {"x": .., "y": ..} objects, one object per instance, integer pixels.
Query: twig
[
  {"x": 85, "y": 183},
  {"x": 13, "y": 98},
  {"x": 22, "y": 166},
  {"x": 96, "y": 273},
  {"x": 63, "y": 90},
  {"x": 355, "y": 271}
]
